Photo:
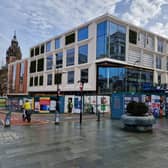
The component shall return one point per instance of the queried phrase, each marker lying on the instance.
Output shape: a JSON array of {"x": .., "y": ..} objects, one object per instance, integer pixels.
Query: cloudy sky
[{"x": 38, "y": 20}]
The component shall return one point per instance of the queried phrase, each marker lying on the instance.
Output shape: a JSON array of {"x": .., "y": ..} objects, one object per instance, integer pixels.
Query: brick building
[
  {"x": 17, "y": 78},
  {"x": 13, "y": 53}
]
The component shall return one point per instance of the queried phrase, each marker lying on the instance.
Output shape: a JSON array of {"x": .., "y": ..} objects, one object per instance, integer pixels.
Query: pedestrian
[
  {"x": 27, "y": 111},
  {"x": 70, "y": 106}
]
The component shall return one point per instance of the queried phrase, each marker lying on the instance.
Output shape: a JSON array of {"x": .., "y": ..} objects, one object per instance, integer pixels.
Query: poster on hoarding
[
  {"x": 44, "y": 104},
  {"x": 155, "y": 104},
  {"x": 37, "y": 106},
  {"x": 52, "y": 105},
  {"x": 77, "y": 105}
]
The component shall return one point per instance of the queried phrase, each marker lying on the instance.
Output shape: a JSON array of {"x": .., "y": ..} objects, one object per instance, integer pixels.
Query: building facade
[
  {"x": 107, "y": 54},
  {"x": 17, "y": 78},
  {"x": 13, "y": 53}
]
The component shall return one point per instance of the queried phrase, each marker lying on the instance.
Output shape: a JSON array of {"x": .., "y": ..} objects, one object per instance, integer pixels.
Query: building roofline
[
  {"x": 101, "y": 17},
  {"x": 19, "y": 61}
]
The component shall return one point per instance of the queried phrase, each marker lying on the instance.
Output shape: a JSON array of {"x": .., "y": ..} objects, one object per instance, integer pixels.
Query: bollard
[
  {"x": 7, "y": 120},
  {"x": 57, "y": 118}
]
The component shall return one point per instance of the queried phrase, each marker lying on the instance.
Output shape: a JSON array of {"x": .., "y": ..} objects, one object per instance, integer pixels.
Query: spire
[
  {"x": 14, "y": 37},
  {"x": 13, "y": 53}
]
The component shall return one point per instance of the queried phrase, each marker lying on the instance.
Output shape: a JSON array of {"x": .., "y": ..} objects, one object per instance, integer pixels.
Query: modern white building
[{"x": 106, "y": 53}]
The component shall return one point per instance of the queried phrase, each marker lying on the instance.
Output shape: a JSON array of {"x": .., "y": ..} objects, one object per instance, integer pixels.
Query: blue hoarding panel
[
  {"x": 117, "y": 106},
  {"x": 61, "y": 103}
]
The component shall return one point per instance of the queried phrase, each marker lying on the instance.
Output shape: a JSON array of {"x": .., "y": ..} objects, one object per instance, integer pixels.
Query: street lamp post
[
  {"x": 137, "y": 82},
  {"x": 57, "y": 114},
  {"x": 81, "y": 92}
]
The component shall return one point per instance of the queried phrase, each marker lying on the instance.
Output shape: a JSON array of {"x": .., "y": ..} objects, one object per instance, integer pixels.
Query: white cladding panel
[
  {"x": 147, "y": 60},
  {"x": 133, "y": 55}
]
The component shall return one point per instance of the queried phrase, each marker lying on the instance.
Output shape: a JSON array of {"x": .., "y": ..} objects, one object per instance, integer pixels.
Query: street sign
[{"x": 81, "y": 86}]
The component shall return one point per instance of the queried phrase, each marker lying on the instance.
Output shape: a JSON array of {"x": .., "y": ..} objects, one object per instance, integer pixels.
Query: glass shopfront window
[
  {"x": 111, "y": 40},
  {"x": 83, "y": 33},
  {"x": 83, "y": 54},
  {"x": 118, "y": 79},
  {"x": 110, "y": 79}
]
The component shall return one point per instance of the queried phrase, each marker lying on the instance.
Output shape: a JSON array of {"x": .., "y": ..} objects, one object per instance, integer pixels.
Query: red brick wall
[
  {"x": 17, "y": 78},
  {"x": 10, "y": 78},
  {"x": 25, "y": 76},
  {"x": 20, "y": 87}
]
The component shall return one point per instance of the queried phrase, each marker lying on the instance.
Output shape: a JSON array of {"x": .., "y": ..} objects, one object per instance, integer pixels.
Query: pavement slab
[{"x": 90, "y": 145}]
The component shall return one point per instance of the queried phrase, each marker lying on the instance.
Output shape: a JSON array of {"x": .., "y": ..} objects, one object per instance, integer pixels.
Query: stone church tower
[{"x": 13, "y": 53}]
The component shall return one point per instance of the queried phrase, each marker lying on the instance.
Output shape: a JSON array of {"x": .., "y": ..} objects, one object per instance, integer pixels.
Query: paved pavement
[
  {"x": 92, "y": 145},
  {"x": 38, "y": 119}
]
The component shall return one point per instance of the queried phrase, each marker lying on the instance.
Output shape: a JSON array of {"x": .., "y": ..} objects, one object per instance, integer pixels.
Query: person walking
[{"x": 27, "y": 111}]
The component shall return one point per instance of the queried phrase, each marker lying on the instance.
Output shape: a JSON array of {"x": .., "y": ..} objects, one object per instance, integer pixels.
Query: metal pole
[
  {"x": 81, "y": 109},
  {"x": 97, "y": 110},
  {"x": 57, "y": 103}
]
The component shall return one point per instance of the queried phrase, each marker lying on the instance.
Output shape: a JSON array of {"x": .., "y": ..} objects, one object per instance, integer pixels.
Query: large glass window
[
  {"x": 57, "y": 43},
  {"x": 49, "y": 62},
  {"x": 33, "y": 66},
  {"x": 160, "y": 45},
  {"x": 70, "y": 38},
  {"x": 36, "y": 81},
  {"x": 32, "y": 52},
  {"x": 118, "y": 79},
  {"x": 117, "y": 35},
  {"x": 70, "y": 57},
  {"x": 40, "y": 64},
  {"x": 48, "y": 46},
  {"x": 83, "y": 33},
  {"x": 133, "y": 36},
  {"x": 37, "y": 51},
  {"x": 70, "y": 77},
  {"x": 159, "y": 79},
  {"x": 101, "y": 40},
  {"x": 49, "y": 79},
  {"x": 84, "y": 75},
  {"x": 150, "y": 42},
  {"x": 158, "y": 62},
  {"x": 102, "y": 28},
  {"x": 58, "y": 78},
  {"x": 83, "y": 54},
  {"x": 41, "y": 81},
  {"x": 59, "y": 60},
  {"x": 111, "y": 39},
  {"x": 110, "y": 79},
  {"x": 42, "y": 48},
  {"x": 31, "y": 81},
  {"x": 142, "y": 39}
]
